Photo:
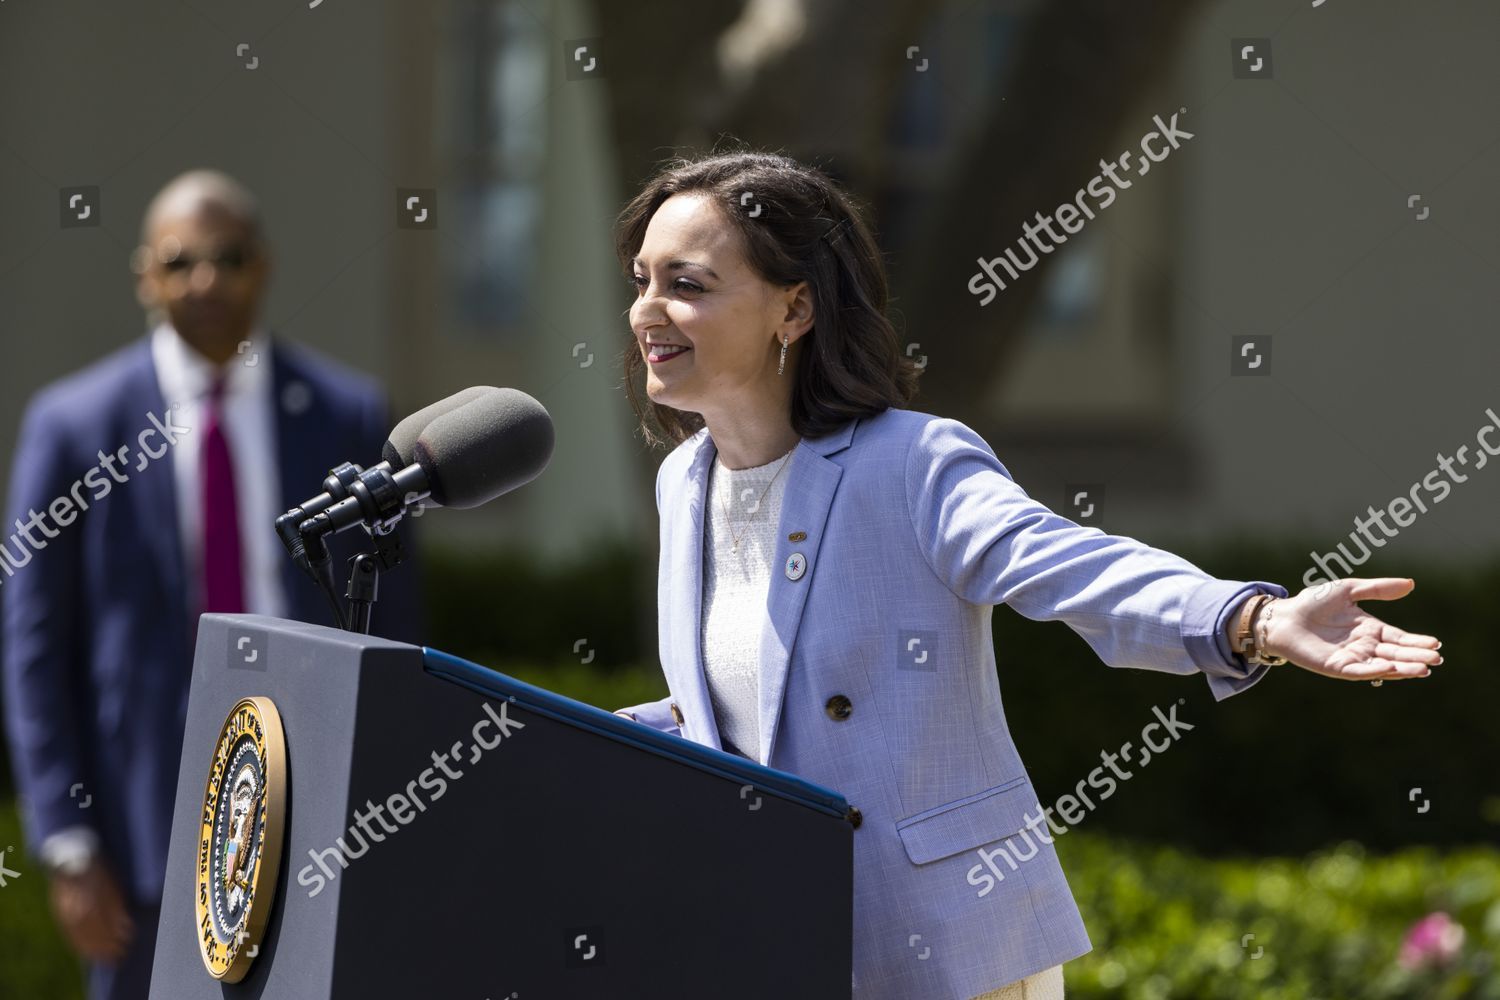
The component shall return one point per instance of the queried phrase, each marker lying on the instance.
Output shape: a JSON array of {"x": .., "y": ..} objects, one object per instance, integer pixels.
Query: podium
[{"x": 448, "y": 831}]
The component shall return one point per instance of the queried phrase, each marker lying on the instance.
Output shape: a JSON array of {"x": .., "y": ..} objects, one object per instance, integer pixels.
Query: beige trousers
[{"x": 1044, "y": 985}]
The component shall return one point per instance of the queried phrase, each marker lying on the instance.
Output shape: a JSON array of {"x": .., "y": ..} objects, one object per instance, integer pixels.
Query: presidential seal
[{"x": 239, "y": 845}]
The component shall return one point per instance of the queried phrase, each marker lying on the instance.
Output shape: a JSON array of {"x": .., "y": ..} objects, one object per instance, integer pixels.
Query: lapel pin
[
  {"x": 796, "y": 536},
  {"x": 796, "y": 565},
  {"x": 296, "y": 398}
]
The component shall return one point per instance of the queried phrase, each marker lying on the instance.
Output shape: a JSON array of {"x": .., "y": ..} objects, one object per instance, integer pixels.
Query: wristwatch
[{"x": 1244, "y": 633}]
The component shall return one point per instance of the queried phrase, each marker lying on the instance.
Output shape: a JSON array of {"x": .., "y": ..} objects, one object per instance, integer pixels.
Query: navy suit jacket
[{"x": 97, "y": 639}]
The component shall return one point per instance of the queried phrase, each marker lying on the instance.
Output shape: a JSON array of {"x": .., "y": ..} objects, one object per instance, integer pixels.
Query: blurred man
[{"x": 143, "y": 494}]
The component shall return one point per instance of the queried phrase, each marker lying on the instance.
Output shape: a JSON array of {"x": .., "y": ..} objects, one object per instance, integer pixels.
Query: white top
[
  {"x": 185, "y": 377},
  {"x": 745, "y": 503}
]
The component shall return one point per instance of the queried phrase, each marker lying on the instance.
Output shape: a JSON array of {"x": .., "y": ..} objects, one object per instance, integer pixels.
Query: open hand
[{"x": 1323, "y": 629}]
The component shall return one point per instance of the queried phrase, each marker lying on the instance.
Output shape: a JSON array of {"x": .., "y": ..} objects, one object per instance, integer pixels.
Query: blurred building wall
[
  {"x": 1285, "y": 216},
  {"x": 1285, "y": 219},
  {"x": 324, "y": 115}
]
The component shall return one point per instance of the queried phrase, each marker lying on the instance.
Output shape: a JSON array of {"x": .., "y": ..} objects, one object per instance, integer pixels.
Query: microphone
[
  {"x": 497, "y": 442},
  {"x": 460, "y": 452},
  {"x": 341, "y": 478},
  {"x": 403, "y": 437},
  {"x": 483, "y": 443}
]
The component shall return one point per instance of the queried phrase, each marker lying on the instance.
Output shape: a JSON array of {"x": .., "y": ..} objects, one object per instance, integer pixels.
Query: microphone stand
[
  {"x": 304, "y": 530},
  {"x": 364, "y": 573}
]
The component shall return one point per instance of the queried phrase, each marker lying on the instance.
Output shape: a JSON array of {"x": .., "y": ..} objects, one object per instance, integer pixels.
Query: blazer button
[
  {"x": 854, "y": 816},
  {"x": 838, "y": 708},
  {"x": 677, "y": 715}
]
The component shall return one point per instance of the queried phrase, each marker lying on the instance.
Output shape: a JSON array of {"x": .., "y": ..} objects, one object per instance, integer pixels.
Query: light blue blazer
[{"x": 877, "y": 678}]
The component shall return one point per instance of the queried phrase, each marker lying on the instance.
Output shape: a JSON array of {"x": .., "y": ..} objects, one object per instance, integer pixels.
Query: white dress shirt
[{"x": 249, "y": 423}]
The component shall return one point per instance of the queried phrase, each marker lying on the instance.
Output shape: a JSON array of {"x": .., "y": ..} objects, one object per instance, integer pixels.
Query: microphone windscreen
[
  {"x": 400, "y": 446},
  {"x": 491, "y": 445}
]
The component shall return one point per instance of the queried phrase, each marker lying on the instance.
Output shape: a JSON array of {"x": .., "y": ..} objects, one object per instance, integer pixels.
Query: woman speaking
[{"x": 830, "y": 561}]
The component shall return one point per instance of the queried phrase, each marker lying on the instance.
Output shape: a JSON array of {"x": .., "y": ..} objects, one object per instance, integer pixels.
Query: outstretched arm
[
  {"x": 1323, "y": 629},
  {"x": 1136, "y": 606}
]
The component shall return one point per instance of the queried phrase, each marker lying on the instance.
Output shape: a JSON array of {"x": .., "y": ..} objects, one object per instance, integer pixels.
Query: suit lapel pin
[
  {"x": 796, "y": 565},
  {"x": 296, "y": 398},
  {"x": 796, "y": 536}
]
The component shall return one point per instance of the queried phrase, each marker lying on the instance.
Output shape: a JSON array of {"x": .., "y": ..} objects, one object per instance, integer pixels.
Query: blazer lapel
[
  {"x": 153, "y": 492},
  {"x": 687, "y": 592},
  {"x": 811, "y": 484},
  {"x": 812, "y": 480}
]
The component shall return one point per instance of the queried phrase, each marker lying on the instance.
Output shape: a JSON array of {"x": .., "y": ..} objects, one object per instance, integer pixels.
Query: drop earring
[{"x": 782, "y": 366}]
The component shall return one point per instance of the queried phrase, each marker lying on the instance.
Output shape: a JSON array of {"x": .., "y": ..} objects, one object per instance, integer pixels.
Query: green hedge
[
  {"x": 509, "y": 607},
  {"x": 1299, "y": 761},
  {"x": 1165, "y": 923},
  {"x": 1296, "y": 763},
  {"x": 34, "y": 962}
]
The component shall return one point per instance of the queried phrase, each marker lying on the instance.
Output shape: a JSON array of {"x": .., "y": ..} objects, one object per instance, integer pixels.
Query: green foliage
[
  {"x": 1300, "y": 771},
  {"x": 1167, "y": 924},
  {"x": 609, "y": 691},
  {"x": 1294, "y": 764},
  {"x": 1299, "y": 761},
  {"x": 1164, "y": 923},
  {"x": 512, "y": 607},
  {"x": 34, "y": 961}
]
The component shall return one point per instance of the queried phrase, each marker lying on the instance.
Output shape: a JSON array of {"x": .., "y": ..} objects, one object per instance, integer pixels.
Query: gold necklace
[{"x": 763, "y": 493}]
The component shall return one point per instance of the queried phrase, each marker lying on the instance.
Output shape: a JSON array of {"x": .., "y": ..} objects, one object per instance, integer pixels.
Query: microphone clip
[{"x": 369, "y": 498}]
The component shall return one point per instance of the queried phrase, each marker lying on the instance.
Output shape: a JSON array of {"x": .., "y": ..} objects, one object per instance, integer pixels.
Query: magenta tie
[{"x": 223, "y": 576}]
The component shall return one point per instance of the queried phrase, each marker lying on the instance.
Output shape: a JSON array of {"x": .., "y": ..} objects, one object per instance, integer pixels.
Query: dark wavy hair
[{"x": 809, "y": 230}]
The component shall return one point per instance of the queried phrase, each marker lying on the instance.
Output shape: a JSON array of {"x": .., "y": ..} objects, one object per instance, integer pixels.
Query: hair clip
[{"x": 836, "y": 232}]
